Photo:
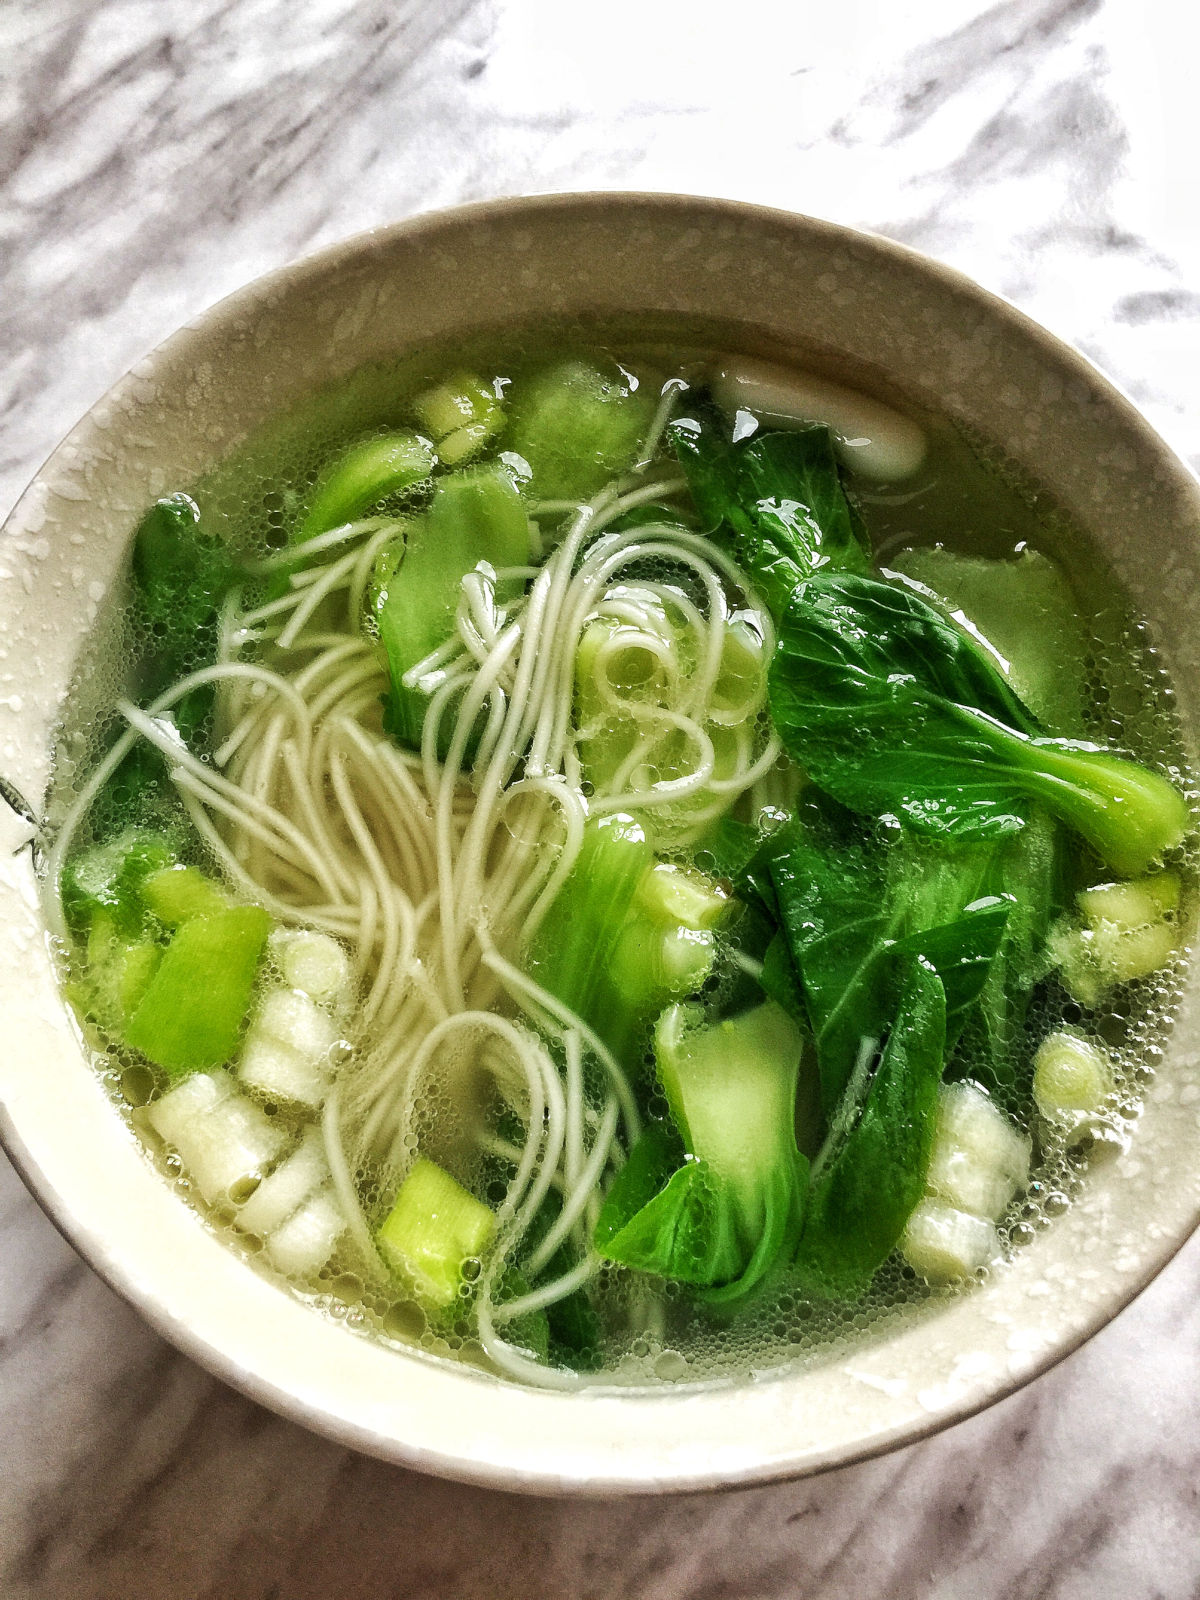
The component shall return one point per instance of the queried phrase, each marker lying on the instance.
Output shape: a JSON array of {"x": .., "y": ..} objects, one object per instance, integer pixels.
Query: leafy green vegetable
[
  {"x": 1034, "y": 879},
  {"x": 180, "y": 576},
  {"x": 529, "y": 1330},
  {"x": 1024, "y": 610},
  {"x": 475, "y": 516},
  {"x": 725, "y": 1216},
  {"x": 686, "y": 1232},
  {"x": 110, "y": 876},
  {"x": 852, "y": 914},
  {"x": 576, "y": 1337},
  {"x": 180, "y": 571},
  {"x": 577, "y": 426},
  {"x": 657, "y": 1154},
  {"x": 626, "y": 934},
  {"x": 574, "y": 947},
  {"x": 776, "y": 499},
  {"x": 872, "y": 1171},
  {"x": 894, "y": 710},
  {"x": 573, "y": 1335}
]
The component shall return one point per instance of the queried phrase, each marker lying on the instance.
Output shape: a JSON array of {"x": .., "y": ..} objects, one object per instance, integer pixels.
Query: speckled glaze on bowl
[{"x": 766, "y": 282}]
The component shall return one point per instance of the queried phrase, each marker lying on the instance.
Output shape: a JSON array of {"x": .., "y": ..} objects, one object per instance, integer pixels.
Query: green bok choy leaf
[{"x": 894, "y": 710}]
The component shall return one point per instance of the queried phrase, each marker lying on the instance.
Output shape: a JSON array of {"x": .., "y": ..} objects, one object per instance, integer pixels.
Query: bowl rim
[{"x": 119, "y": 1274}]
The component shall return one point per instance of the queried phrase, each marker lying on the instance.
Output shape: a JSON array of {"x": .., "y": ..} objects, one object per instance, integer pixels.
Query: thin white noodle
[{"x": 427, "y": 866}]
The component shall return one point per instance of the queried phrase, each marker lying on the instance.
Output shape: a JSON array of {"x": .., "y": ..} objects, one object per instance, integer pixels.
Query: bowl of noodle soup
[{"x": 440, "y": 853}]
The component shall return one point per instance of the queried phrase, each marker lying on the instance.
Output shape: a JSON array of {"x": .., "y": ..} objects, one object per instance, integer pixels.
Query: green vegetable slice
[
  {"x": 117, "y": 973},
  {"x": 577, "y": 426},
  {"x": 363, "y": 475},
  {"x": 176, "y": 893},
  {"x": 196, "y": 1005},
  {"x": 463, "y": 415},
  {"x": 475, "y": 516},
  {"x": 434, "y": 1228}
]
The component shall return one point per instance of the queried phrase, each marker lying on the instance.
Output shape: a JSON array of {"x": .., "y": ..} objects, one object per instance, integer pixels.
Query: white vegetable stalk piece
[
  {"x": 313, "y": 963},
  {"x": 1071, "y": 1077},
  {"x": 978, "y": 1164},
  {"x": 942, "y": 1243},
  {"x": 1127, "y": 935},
  {"x": 870, "y": 437},
  {"x": 979, "y": 1159},
  {"x": 287, "y": 1188},
  {"x": 304, "y": 1243},
  {"x": 225, "y": 1141},
  {"x": 286, "y": 1053}
]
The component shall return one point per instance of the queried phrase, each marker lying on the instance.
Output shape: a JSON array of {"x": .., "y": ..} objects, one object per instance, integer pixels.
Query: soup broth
[{"x": 620, "y": 864}]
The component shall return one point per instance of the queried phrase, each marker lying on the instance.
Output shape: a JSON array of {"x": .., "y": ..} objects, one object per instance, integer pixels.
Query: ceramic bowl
[{"x": 759, "y": 281}]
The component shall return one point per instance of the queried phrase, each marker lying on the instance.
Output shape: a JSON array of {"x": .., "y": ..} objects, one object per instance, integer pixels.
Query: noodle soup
[{"x": 620, "y": 865}]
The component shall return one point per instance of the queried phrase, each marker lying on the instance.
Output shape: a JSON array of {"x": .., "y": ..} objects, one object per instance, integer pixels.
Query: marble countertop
[{"x": 158, "y": 153}]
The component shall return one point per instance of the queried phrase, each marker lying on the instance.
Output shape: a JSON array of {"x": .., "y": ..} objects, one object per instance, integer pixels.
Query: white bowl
[{"x": 738, "y": 277}]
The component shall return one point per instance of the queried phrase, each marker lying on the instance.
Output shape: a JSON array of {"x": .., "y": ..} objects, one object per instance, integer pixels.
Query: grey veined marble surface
[{"x": 158, "y": 153}]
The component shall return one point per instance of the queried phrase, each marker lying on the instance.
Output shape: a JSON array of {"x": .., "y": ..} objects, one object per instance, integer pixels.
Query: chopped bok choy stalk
[
  {"x": 461, "y": 414},
  {"x": 170, "y": 962},
  {"x": 363, "y": 475},
  {"x": 196, "y": 1004},
  {"x": 733, "y": 1209},
  {"x": 577, "y": 426},
  {"x": 435, "y": 1227},
  {"x": 476, "y": 516},
  {"x": 228, "y": 1146},
  {"x": 286, "y": 1053},
  {"x": 226, "y": 1143},
  {"x": 1072, "y": 1077}
]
